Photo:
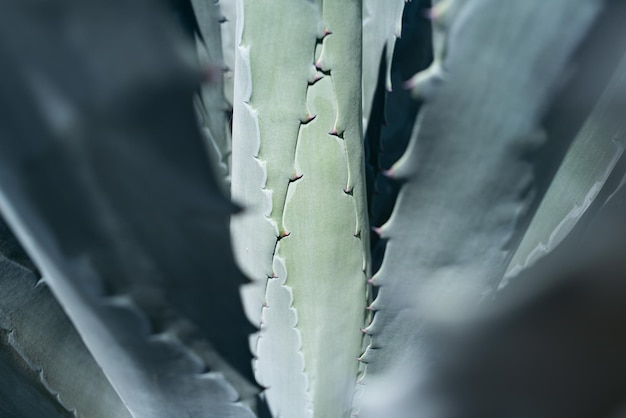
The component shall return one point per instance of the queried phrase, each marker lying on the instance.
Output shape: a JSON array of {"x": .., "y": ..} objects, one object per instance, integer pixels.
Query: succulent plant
[{"x": 120, "y": 294}]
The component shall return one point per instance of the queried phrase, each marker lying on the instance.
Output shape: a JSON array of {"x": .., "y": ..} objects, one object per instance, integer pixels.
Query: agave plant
[{"x": 497, "y": 126}]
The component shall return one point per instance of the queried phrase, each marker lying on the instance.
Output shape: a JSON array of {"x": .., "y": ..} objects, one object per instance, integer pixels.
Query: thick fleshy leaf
[
  {"x": 40, "y": 342},
  {"x": 298, "y": 170},
  {"x": 551, "y": 344},
  {"x": 592, "y": 158},
  {"x": 393, "y": 116},
  {"x": 211, "y": 104},
  {"x": 21, "y": 394},
  {"x": 468, "y": 175},
  {"x": 104, "y": 179},
  {"x": 382, "y": 24},
  {"x": 228, "y": 9}
]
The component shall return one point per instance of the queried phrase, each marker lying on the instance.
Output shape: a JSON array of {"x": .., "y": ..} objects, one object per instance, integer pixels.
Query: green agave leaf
[
  {"x": 468, "y": 173},
  {"x": 108, "y": 188},
  {"x": 298, "y": 169},
  {"x": 382, "y": 24},
  {"x": 585, "y": 169},
  {"x": 41, "y": 354}
]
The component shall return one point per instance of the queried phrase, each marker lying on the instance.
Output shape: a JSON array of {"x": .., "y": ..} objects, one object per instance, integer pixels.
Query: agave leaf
[
  {"x": 108, "y": 188},
  {"x": 21, "y": 393},
  {"x": 584, "y": 171},
  {"x": 298, "y": 168},
  {"x": 229, "y": 45},
  {"x": 382, "y": 24},
  {"x": 189, "y": 335},
  {"x": 467, "y": 171},
  {"x": 211, "y": 104},
  {"x": 37, "y": 333},
  {"x": 208, "y": 17},
  {"x": 550, "y": 345},
  {"x": 393, "y": 117}
]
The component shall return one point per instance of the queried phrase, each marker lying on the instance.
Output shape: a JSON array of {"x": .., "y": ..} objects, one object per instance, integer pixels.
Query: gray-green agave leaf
[
  {"x": 467, "y": 179},
  {"x": 39, "y": 343},
  {"x": 591, "y": 159},
  {"x": 108, "y": 187},
  {"x": 298, "y": 170}
]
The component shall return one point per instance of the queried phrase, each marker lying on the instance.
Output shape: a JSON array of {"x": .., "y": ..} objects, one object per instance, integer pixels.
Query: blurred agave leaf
[
  {"x": 105, "y": 180},
  {"x": 228, "y": 10},
  {"x": 552, "y": 343},
  {"x": 21, "y": 394},
  {"x": 469, "y": 172},
  {"x": 211, "y": 104},
  {"x": 41, "y": 353},
  {"x": 597, "y": 150}
]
